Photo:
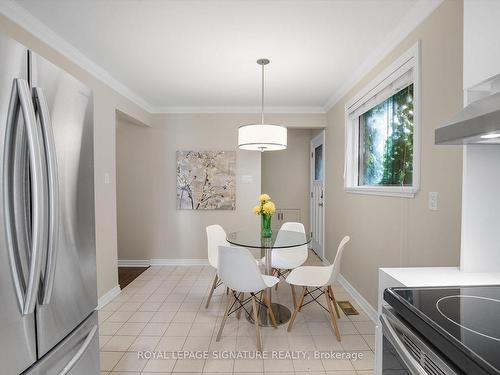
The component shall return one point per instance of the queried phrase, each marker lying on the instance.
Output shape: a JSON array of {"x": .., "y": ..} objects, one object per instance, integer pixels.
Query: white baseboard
[
  {"x": 161, "y": 262},
  {"x": 361, "y": 301},
  {"x": 133, "y": 263},
  {"x": 108, "y": 297},
  {"x": 179, "y": 262}
]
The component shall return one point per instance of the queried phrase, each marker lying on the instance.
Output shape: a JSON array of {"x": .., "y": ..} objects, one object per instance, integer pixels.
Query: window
[
  {"x": 318, "y": 163},
  {"x": 382, "y": 131},
  {"x": 386, "y": 141}
]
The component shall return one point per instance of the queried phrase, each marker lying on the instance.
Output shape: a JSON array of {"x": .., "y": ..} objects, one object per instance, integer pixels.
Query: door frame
[{"x": 318, "y": 139}]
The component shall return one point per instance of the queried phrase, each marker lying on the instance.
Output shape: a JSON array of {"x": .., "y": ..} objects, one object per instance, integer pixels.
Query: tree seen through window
[{"x": 386, "y": 141}]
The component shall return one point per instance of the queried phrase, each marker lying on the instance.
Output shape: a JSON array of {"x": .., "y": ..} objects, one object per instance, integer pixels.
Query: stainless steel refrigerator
[{"x": 48, "y": 294}]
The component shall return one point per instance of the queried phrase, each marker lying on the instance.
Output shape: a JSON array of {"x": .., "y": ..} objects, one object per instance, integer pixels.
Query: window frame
[{"x": 410, "y": 60}]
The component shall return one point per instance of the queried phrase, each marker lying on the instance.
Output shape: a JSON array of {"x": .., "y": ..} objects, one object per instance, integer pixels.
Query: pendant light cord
[{"x": 262, "y": 106}]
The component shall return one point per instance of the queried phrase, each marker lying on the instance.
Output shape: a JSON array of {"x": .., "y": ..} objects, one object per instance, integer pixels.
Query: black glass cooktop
[{"x": 462, "y": 322}]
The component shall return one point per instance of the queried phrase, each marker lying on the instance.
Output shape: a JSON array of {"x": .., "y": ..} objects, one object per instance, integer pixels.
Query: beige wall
[
  {"x": 106, "y": 101},
  {"x": 385, "y": 231},
  {"x": 149, "y": 224},
  {"x": 286, "y": 174},
  {"x": 389, "y": 231}
]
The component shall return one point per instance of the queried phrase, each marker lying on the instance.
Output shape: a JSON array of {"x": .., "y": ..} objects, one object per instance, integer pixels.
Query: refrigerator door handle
[
  {"x": 8, "y": 197},
  {"x": 80, "y": 352},
  {"x": 42, "y": 111},
  {"x": 21, "y": 98}
]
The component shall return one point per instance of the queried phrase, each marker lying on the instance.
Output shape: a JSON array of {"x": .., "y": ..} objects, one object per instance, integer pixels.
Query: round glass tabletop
[{"x": 279, "y": 240}]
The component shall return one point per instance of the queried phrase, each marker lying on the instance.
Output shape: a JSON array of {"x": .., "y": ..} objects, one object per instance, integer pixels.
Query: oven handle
[{"x": 391, "y": 335}]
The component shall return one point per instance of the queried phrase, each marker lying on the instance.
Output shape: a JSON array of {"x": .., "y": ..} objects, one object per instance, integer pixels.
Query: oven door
[{"x": 405, "y": 353}]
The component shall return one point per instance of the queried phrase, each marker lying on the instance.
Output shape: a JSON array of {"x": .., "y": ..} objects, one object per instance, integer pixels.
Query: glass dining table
[{"x": 252, "y": 239}]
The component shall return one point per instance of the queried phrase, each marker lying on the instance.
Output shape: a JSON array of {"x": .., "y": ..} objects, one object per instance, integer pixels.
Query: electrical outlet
[{"x": 433, "y": 201}]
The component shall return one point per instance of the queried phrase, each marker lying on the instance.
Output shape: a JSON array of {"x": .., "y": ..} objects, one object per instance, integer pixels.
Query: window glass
[
  {"x": 386, "y": 142},
  {"x": 318, "y": 163}
]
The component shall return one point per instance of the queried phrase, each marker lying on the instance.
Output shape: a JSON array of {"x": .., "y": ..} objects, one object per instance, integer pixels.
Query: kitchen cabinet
[{"x": 481, "y": 41}]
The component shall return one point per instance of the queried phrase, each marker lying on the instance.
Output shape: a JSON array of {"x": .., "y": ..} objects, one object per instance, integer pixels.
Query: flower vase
[{"x": 266, "y": 226}]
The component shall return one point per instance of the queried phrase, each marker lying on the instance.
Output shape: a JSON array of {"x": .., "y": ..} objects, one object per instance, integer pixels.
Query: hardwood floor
[{"x": 128, "y": 274}]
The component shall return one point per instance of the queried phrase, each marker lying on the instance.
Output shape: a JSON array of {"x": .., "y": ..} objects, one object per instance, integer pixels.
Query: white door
[{"x": 317, "y": 193}]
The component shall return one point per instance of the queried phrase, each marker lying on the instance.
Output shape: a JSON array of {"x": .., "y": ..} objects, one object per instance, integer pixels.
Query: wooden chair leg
[
  {"x": 332, "y": 315},
  {"x": 214, "y": 284},
  {"x": 228, "y": 306},
  {"x": 269, "y": 309},
  {"x": 242, "y": 298},
  {"x": 294, "y": 298},
  {"x": 302, "y": 299},
  {"x": 334, "y": 301},
  {"x": 256, "y": 323},
  {"x": 297, "y": 309},
  {"x": 278, "y": 275}
]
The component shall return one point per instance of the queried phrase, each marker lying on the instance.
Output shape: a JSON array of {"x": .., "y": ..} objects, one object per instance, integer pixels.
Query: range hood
[{"x": 478, "y": 123}]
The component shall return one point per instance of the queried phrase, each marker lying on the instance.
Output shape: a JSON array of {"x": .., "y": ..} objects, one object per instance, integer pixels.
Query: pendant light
[{"x": 262, "y": 137}]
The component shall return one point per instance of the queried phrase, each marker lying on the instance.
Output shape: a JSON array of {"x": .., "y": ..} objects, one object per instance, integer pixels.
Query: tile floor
[{"x": 163, "y": 311}]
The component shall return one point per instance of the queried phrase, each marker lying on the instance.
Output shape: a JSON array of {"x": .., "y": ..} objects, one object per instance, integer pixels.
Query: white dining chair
[
  {"x": 240, "y": 273},
  {"x": 216, "y": 236},
  {"x": 285, "y": 260},
  {"x": 319, "y": 279}
]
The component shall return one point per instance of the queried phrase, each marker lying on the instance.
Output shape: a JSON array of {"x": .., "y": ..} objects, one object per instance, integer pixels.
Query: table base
[{"x": 281, "y": 313}]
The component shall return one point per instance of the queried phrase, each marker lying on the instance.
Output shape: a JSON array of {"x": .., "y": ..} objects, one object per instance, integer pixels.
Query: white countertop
[{"x": 441, "y": 276}]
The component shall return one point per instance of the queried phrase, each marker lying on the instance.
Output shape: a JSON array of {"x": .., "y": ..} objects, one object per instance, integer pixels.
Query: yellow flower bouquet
[{"x": 266, "y": 208}]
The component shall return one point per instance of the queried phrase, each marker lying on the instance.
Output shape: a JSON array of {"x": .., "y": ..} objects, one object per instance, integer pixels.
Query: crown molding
[
  {"x": 268, "y": 110},
  {"x": 27, "y": 21},
  {"x": 407, "y": 24},
  {"x": 33, "y": 25}
]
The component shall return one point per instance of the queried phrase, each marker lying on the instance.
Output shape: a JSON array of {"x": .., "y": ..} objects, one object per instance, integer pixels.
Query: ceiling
[{"x": 182, "y": 55}]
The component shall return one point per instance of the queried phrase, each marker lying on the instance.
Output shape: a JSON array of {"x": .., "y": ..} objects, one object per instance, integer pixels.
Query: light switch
[
  {"x": 106, "y": 178},
  {"x": 247, "y": 179},
  {"x": 433, "y": 201}
]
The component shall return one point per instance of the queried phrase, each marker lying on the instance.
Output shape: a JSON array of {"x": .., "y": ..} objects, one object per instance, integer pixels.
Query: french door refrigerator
[{"x": 48, "y": 294}]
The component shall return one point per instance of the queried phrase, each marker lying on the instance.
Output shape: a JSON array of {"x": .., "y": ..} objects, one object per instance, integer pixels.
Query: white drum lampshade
[{"x": 262, "y": 137}]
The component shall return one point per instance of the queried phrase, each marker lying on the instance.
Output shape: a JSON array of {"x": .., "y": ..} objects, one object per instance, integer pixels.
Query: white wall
[
  {"x": 480, "y": 209},
  {"x": 481, "y": 177}
]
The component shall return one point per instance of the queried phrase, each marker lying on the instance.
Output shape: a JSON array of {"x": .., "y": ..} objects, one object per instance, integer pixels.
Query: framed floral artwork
[{"x": 206, "y": 180}]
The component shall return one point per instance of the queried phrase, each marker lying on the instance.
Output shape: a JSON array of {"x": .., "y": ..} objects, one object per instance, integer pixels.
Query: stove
[{"x": 463, "y": 323}]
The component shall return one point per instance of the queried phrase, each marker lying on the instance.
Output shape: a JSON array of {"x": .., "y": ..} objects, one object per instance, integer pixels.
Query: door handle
[
  {"x": 391, "y": 335},
  {"x": 42, "y": 110},
  {"x": 81, "y": 351},
  {"x": 21, "y": 100}
]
